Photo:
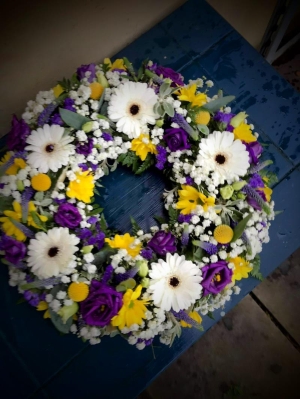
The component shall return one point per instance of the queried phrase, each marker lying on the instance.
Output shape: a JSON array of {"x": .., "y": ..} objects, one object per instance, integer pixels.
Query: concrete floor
[{"x": 254, "y": 351}]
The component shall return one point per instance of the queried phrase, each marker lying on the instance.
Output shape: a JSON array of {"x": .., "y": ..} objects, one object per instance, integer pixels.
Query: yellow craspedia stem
[
  {"x": 193, "y": 315},
  {"x": 202, "y": 118},
  {"x": 57, "y": 90},
  {"x": 82, "y": 188},
  {"x": 142, "y": 146},
  {"x": 78, "y": 292},
  {"x": 241, "y": 268},
  {"x": 223, "y": 234},
  {"x": 41, "y": 182},
  {"x": 96, "y": 90},
  {"x": 244, "y": 133},
  {"x": 125, "y": 242}
]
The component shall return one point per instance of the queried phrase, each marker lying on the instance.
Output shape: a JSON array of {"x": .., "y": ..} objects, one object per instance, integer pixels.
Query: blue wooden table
[{"x": 35, "y": 360}]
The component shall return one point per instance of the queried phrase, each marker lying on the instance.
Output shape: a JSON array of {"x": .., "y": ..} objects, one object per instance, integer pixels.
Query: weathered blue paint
[{"x": 196, "y": 41}]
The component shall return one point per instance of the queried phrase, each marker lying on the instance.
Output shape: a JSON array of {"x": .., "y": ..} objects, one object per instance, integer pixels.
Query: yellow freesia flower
[
  {"x": 125, "y": 242},
  {"x": 43, "y": 305},
  {"x": 117, "y": 64},
  {"x": 18, "y": 164},
  {"x": 133, "y": 310},
  {"x": 57, "y": 90},
  {"x": 82, "y": 188},
  {"x": 244, "y": 133},
  {"x": 142, "y": 146},
  {"x": 10, "y": 229},
  {"x": 241, "y": 268},
  {"x": 193, "y": 315},
  {"x": 189, "y": 199},
  {"x": 188, "y": 93},
  {"x": 96, "y": 90},
  {"x": 207, "y": 201},
  {"x": 268, "y": 192}
]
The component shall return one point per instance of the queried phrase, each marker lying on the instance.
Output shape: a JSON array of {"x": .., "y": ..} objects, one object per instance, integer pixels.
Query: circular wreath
[{"x": 62, "y": 256}]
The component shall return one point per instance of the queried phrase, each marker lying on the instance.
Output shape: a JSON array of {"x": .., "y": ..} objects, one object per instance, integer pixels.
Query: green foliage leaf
[
  {"x": 210, "y": 315},
  {"x": 103, "y": 255},
  {"x": 203, "y": 129},
  {"x": 73, "y": 119},
  {"x": 173, "y": 214},
  {"x": 129, "y": 68},
  {"x": 135, "y": 226},
  {"x": 159, "y": 109},
  {"x": 218, "y": 103},
  {"x": 130, "y": 159},
  {"x": 38, "y": 221},
  {"x": 165, "y": 89},
  {"x": 240, "y": 227},
  {"x": 169, "y": 109},
  {"x": 149, "y": 161},
  {"x": 6, "y": 204},
  {"x": 58, "y": 322},
  {"x": 103, "y": 225},
  {"x": 255, "y": 272},
  {"x": 95, "y": 211},
  {"x": 159, "y": 219},
  {"x": 128, "y": 284}
]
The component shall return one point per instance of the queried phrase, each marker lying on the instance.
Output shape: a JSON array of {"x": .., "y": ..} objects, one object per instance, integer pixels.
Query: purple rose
[
  {"x": 14, "y": 250},
  {"x": 162, "y": 242},
  {"x": 67, "y": 216},
  {"x": 215, "y": 277},
  {"x": 16, "y": 138},
  {"x": 86, "y": 147},
  {"x": 168, "y": 73},
  {"x": 176, "y": 139},
  {"x": 81, "y": 72},
  {"x": 102, "y": 304},
  {"x": 254, "y": 149}
]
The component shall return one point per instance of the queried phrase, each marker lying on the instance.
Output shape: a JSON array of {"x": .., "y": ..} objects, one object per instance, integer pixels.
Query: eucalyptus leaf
[
  {"x": 165, "y": 89},
  {"x": 218, "y": 103},
  {"x": 158, "y": 109},
  {"x": 6, "y": 204},
  {"x": 103, "y": 255},
  {"x": 169, "y": 109},
  {"x": 58, "y": 322},
  {"x": 203, "y": 129},
  {"x": 46, "y": 202},
  {"x": 73, "y": 119},
  {"x": 101, "y": 100},
  {"x": 39, "y": 196},
  {"x": 240, "y": 227},
  {"x": 128, "y": 284}
]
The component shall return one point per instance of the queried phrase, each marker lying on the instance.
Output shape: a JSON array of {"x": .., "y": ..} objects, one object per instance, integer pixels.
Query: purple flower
[
  {"x": 14, "y": 250},
  {"x": 168, "y": 73},
  {"x": 161, "y": 157},
  {"x": 16, "y": 138},
  {"x": 184, "y": 218},
  {"x": 56, "y": 120},
  {"x": 210, "y": 248},
  {"x": 176, "y": 139},
  {"x": 32, "y": 298},
  {"x": 125, "y": 276},
  {"x": 67, "y": 216},
  {"x": 254, "y": 149},
  {"x": 92, "y": 220},
  {"x": 69, "y": 104},
  {"x": 223, "y": 117},
  {"x": 97, "y": 240},
  {"x": 215, "y": 277},
  {"x": 107, "y": 136},
  {"x": 46, "y": 113},
  {"x": 83, "y": 166},
  {"x": 84, "y": 233},
  {"x": 162, "y": 243},
  {"x": 256, "y": 181},
  {"x": 255, "y": 198},
  {"x": 147, "y": 253},
  {"x": 102, "y": 304},
  {"x": 86, "y": 147},
  {"x": 107, "y": 275},
  {"x": 189, "y": 181},
  {"x": 81, "y": 72}
]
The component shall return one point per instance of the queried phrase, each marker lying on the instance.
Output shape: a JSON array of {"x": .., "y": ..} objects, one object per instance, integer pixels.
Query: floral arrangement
[{"x": 91, "y": 280}]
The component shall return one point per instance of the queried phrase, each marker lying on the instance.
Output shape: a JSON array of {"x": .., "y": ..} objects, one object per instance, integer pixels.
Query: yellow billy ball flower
[
  {"x": 78, "y": 292},
  {"x": 202, "y": 118},
  {"x": 241, "y": 268},
  {"x": 193, "y": 315},
  {"x": 82, "y": 188},
  {"x": 223, "y": 234},
  {"x": 41, "y": 182},
  {"x": 96, "y": 90},
  {"x": 125, "y": 242},
  {"x": 142, "y": 146}
]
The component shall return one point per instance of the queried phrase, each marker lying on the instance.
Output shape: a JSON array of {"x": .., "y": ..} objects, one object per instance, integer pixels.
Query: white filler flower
[
  {"x": 52, "y": 254},
  {"x": 226, "y": 157},
  {"x": 175, "y": 283},
  {"x": 131, "y": 106},
  {"x": 49, "y": 148}
]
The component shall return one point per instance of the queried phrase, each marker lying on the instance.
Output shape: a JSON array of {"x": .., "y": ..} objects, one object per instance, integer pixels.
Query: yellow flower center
[
  {"x": 223, "y": 234},
  {"x": 41, "y": 182},
  {"x": 78, "y": 292}
]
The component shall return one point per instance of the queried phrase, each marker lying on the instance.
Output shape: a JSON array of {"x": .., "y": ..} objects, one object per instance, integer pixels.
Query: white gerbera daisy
[
  {"x": 131, "y": 106},
  {"x": 175, "y": 283},
  {"x": 50, "y": 149},
  {"x": 52, "y": 254},
  {"x": 225, "y": 157}
]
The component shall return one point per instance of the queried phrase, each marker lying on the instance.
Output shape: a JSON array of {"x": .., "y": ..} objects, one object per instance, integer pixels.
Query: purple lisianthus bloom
[
  {"x": 147, "y": 253},
  {"x": 32, "y": 298},
  {"x": 97, "y": 240},
  {"x": 56, "y": 120},
  {"x": 189, "y": 181},
  {"x": 176, "y": 139},
  {"x": 69, "y": 104},
  {"x": 86, "y": 147},
  {"x": 102, "y": 304},
  {"x": 215, "y": 277},
  {"x": 256, "y": 181},
  {"x": 168, "y": 73},
  {"x": 16, "y": 138},
  {"x": 83, "y": 166},
  {"x": 67, "y": 215},
  {"x": 223, "y": 117},
  {"x": 84, "y": 233},
  {"x": 81, "y": 72},
  {"x": 161, "y": 157},
  {"x": 162, "y": 243},
  {"x": 184, "y": 218},
  {"x": 14, "y": 250},
  {"x": 107, "y": 136},
  {"x": 254, "y": 149}
]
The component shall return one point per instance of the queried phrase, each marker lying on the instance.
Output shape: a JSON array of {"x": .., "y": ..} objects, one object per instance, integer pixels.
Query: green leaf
[
  {"x": 58, "y": 322},
  {"x": 240, "y": 227},
  {"x": 130, "y": 68},
  {"x": 198, "y": 254},
  {"x": 103, "y": 256},
  {"x": 169, "y": 109},
  {"x": 38, "y": 221},
  {"x": 101, "y": 100},
  {"x": 173, "y": 214},
  {"x": 218, "y": 103},
  {"x": 255, "y": 272},
  {"x": 6, "y": 204},
  {"x": 203, "y": 129},
  {"x": 73, "y": 119},
  {"x": 210, "y": 315},
  {"x": 103, "y": 225},
  {"x": 159, "y": 109},
  {"x": 95, "y": 211},
  {"x": 159, "y": 219},
  {"x": 165, "y": 89},
  {"x": 128, "y": 284},
  {"x": 135, "y": 226},
  {"x": 149, "y": 161}
]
